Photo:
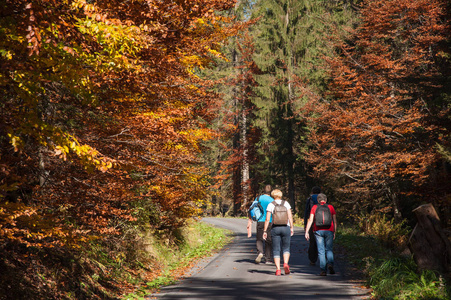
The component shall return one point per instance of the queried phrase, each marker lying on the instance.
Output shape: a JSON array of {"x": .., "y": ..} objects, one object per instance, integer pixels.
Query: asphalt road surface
[{"x": 232, "y": 274}]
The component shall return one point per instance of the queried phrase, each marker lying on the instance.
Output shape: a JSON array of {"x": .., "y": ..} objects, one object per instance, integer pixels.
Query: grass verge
[{"x": 196, "y": 240}]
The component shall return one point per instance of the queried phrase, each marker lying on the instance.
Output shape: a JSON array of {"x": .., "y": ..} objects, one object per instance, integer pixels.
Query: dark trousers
[
  {"x": 281, "y": 240},
  {"x": 263, "y": 246},
  {"x": 312, "y": 247}
]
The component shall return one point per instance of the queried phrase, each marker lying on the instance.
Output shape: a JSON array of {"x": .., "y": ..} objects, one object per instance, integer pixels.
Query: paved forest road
[{"x": 233, "y": 274}]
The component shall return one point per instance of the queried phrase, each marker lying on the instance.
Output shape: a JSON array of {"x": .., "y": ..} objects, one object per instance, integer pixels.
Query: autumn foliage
[
  {"x": 378, "y": 132},
  {"x": 102, "y": 114}
]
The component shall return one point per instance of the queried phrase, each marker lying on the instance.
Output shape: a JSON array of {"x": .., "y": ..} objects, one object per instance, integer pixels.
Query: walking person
[
  {"x": 282, "y": 230},
  {"x": 324, "y": 221},
  {"x": 264, "y": 246},
  {"x": 312, "y": 247}
]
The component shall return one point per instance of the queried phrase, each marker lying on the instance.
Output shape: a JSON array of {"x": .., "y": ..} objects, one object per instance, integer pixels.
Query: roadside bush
[
  {"x": 390, "y": 233},
  {"x": 390, "y": 275}
]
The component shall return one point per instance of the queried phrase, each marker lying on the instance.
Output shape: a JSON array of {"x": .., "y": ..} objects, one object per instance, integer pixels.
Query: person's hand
[
  {"x": 265, "y": 235},
  {"x": 334, "y": 235},
  {"x": 307, "y": 236},
  {"x": 292, "y": 231}
]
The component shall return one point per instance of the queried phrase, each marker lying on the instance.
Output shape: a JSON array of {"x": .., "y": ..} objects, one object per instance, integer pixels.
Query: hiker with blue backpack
[
  {"x": 312, "y": 247},
  {"x": 257, "y": 212},
  {"x": 324, "y": 221}
]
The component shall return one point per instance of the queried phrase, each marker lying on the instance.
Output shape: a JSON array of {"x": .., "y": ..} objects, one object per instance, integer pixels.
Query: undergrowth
[
  {"x": 397, "y": 278},
  {"x": 133, "y": 264},
  {"x": 389, "y": 274}
]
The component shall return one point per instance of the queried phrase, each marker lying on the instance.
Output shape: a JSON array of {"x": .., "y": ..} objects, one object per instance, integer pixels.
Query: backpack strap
[
  {"x": 258, "y": 202},
  {"x": 275, "y": 202}
]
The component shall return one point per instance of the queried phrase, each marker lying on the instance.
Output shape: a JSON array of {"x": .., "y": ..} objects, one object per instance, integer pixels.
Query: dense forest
[
  {"x": 349, "y": 95},
  {"x": 121, "y": 115}
]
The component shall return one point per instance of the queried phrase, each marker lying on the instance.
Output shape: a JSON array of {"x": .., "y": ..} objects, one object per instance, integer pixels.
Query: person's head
[
  {"x": 276, "y": 194},
  {"x": 316, "y": 190},
  {"x": 322, "y": 198},
  {"x": 267, "y": 190}
]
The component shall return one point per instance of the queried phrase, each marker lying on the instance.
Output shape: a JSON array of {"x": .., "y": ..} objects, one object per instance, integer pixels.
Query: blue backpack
[{"x": 256, "y": 211}]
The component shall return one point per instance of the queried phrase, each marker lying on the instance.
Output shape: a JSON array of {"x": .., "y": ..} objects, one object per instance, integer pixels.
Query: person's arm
[
  {"x": 309, "y": 224},
  {"x": 249, "y": 222},
  {"x": 290, "y": 220},
  {"x": 307, "y": 211},
  {"x": 249, "y": 227},
  {"x": 265, "y": 228}
]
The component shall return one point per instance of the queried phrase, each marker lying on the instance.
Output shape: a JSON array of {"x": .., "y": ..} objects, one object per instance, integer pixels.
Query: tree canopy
[
  {"x": 376, "y": 134},
  {"x": 101, "y": 107}
]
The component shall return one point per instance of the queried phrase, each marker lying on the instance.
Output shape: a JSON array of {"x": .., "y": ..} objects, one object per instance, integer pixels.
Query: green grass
[
  {"x": 390, "y": 275},
  {"x": 361, "y": 250}
]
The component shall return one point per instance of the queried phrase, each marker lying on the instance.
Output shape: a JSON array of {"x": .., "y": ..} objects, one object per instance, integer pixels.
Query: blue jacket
[
  {"x": 264, "y": 201},
  {"x": 312, "y": 200}
]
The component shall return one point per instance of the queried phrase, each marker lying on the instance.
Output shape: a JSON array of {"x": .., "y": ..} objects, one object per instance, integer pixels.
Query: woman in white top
[{"x": 280, "y": 233}]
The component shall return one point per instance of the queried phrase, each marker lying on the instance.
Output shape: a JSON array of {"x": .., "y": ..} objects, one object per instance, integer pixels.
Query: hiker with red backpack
[
  {"x": 281, "y": 231},
  {"x": 324, "y": 221}
]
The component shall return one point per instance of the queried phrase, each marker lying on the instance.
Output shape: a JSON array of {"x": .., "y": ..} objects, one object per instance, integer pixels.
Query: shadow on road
[{"x": 233, "y": 289}]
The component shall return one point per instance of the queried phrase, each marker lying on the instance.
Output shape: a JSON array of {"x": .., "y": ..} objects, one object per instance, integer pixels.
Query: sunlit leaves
[{"x": 95, "y": 91}]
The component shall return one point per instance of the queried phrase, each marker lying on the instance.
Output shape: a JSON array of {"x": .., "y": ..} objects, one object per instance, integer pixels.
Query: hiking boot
[
  {"x": 323, "y": 273},
  {"x": 259, "y": 258},
  {"x": 278, "y": 272},
  {"x": 331, "y": 269},
  {"x": 286, "y": 268}
]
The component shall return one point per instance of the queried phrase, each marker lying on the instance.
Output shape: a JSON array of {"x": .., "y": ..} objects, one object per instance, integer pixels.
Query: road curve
[{"x": 233, "y": 275}]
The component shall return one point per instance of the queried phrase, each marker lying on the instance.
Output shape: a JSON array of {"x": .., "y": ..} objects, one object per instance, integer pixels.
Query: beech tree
[
  {"x": 102, "y": 118},
  {"x": 376, "y": 135},
  {"x": 101, "y": 106}
]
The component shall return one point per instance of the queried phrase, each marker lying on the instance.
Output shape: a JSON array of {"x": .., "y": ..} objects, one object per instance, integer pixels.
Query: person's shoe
[
  {"x": 323, "y": 273},
  {"x": 286, "y": 268},
  {"x": 312, "y": 263},
  {"x": 268, "y": 262},
  {"x": 278, "y": 272},
  {"x": 259, "y": 258},
  {"x": 331, "y": 269}
]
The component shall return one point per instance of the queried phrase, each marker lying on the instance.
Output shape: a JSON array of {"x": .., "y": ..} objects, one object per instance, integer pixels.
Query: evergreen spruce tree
[{"x": 292, "y": 40}]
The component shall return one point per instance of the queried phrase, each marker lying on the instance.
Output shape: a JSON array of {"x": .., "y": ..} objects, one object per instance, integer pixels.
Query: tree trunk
[
  {"x": 245, "y": 164},
  {"x": 430, "y": 246},
  {"x": 42, "y": 172},
  {"x": 236, "y": 177}
]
